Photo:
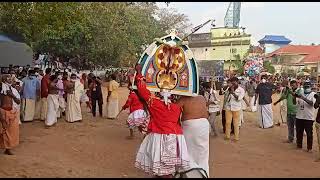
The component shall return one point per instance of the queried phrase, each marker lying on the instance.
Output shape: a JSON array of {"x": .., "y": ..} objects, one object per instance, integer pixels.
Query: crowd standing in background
[
  {"x": 176, "y": 129},
  {"x": 28, "y": 94}
]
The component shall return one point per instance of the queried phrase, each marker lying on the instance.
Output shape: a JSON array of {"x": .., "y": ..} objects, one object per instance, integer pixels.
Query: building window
[{"x": 233, "y": 50}]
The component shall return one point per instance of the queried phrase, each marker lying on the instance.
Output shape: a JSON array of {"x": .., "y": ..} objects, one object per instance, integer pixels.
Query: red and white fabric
[
  {"x": 162, "y": 154},
  {"x": 137, "y": 118}
]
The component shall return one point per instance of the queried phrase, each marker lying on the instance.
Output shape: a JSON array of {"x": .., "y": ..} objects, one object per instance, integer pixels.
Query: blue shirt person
[{"x": 31, "y": 86}]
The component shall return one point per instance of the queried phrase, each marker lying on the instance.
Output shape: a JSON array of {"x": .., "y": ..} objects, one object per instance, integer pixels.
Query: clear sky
[{"x": 298, "y": 21}]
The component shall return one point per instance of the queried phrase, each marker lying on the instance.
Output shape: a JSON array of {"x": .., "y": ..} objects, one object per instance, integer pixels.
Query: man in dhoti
[
  {"x": 44, "y": 94},
  {"x": 213, "y": 107},
  {"x": 53, "y": 102},
  {"x": 74, "y": 89},
  {"x": 250, "y": 89},
  {"x": 113, "y": 98},
  {"x": 264, "y": 92},
  {"x": 9, "y": 126},
  {"x": 62, "y": 103},
  {"x": 196, "y": 129},
  {"x": 30, "y": 93},
  {"x": 37, "y": 112}
]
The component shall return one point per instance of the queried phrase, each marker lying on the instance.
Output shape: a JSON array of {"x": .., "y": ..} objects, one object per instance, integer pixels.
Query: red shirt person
[
  {"x": 44, "y": 93},
  {"x": 164, "y": 119},
  {"x": 45, "y": 84},
  {"x": 133, "y": 102},
  {"x": 138, "y": 117},
  {"x": 163, "y": 149}
]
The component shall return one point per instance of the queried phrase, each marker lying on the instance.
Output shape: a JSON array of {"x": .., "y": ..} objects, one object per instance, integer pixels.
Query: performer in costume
[
  {"x": 138, "y": 116},
  {"x": 163, "y": 150}
]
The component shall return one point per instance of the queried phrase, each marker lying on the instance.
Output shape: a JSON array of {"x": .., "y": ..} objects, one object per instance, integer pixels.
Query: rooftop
[
  {"x": 311, "y": 53},
  {"x": 274, "y": 39}
]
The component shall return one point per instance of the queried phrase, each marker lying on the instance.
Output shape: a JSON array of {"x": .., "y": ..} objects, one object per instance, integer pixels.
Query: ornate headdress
[{"x": 169, "y": 67}]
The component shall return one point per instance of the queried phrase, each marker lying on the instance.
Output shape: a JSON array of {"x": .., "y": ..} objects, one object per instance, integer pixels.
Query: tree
[
  {"x": 238, "y": 64},
  {"x": 84, "y": 33},
  {"x": 171, "y": 19},
  {"x": 269, "y": 67}
]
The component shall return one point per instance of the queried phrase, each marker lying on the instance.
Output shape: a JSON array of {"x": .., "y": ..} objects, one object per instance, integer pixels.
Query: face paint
[{"x": 165, "y": 96}]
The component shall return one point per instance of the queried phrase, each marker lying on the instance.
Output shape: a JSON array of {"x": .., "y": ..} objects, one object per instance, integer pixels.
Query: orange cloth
[{"x": 9, "y": 129}]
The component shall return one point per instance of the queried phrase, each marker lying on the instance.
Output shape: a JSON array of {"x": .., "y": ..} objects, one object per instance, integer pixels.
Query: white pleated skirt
[
  {"x": 137, "y": 118},
  {"x": 162, "y": 154}
]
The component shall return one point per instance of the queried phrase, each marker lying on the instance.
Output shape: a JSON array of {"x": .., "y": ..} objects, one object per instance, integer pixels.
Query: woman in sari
[
  {"x": 105, "y": 90},
  {"x": 113, "y": 98}
]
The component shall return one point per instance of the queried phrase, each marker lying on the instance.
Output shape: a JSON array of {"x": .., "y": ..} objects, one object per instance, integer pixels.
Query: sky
[{"x": 298, "y": 21}]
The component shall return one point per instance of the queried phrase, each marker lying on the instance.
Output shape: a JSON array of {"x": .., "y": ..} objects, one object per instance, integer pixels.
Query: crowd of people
[
  {"x": 299, "y": 98},
  {"x": 199, "y": 113},
  {"x": 176, "y": 129},
  {"x": 29, "y": 94}
]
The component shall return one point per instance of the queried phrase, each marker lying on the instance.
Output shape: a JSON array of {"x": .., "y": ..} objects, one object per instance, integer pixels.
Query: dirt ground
[{"x": 98, "y": 147}]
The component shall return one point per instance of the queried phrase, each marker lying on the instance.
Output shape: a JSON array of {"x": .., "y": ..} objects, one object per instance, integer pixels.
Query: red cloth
[
  {"x": 163, "y": 119},
  {"x": 133, "y": 102},
  {"x": 45, "y": 86},
  {"x": 65, "y": 81}
]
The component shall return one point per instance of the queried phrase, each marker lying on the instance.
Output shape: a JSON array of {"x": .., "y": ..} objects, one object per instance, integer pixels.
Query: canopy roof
[{"x": 274, "y": 39}]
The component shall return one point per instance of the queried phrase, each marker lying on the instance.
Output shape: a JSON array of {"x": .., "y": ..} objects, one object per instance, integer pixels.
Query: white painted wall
[
  {"x": 272, "y": 47},
  {"x": 202, "y": 53}
]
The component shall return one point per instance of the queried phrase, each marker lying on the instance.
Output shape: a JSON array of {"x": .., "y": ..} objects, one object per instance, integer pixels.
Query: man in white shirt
[
  {"x": 233, "y": 108},
  {"x": 213, "y": 107},
  {"x": 305, "y": 115}
]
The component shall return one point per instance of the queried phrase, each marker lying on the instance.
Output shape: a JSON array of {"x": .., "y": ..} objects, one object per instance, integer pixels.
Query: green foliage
[
  {"x": 269, "y": 67},
  {"x": 238, "y": 64},
  {"x": 99, "y": 33}
]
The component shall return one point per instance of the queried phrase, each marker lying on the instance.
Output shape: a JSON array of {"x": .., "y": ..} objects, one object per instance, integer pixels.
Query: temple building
[{"x": 221, "y": 44}]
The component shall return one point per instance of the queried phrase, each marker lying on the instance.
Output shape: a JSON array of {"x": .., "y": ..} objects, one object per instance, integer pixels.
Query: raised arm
[
  {"x": 283, "y": 96},
  {"x": 308, "y": 101},
  {"x": 142, "y": 88}
]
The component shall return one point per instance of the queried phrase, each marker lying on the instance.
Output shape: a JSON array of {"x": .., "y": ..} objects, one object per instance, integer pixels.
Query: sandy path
[{"x": 98, "y": 148}]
